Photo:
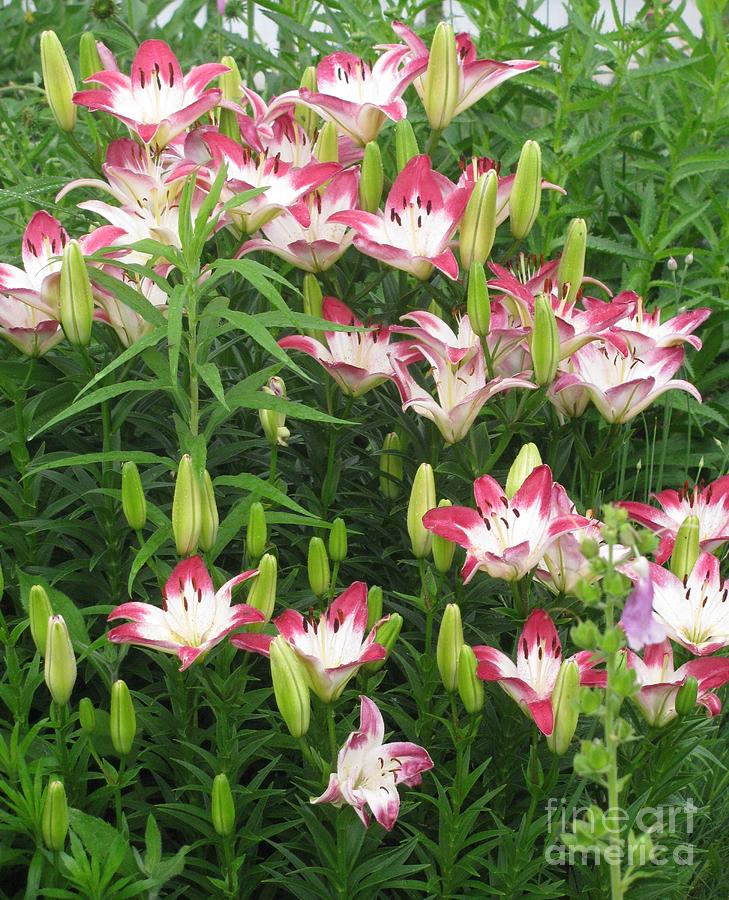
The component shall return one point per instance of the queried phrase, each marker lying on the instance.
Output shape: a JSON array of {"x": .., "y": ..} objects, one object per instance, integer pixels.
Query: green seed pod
[
  {"x": 443, "y": 550},
  {"x": 134, "y": 503},
  {"x": 372, "y": 178},
  {"x": 326, "y": 148},
  {"x": 87, "y": 716},
  {"x": 58, "y": 81},
  {"x": 54, "y": 816},
  {"x": 338, "y": 541},
  {"x": 544, "y": 343},
  {"x": 478, "y": 226},
  {"x": 122, "y": 719},
  {"x": 306, "y": 117},
  {"x": 478, "y": 300},
  {"x": 422, "y": 499},
  {"x": 60, "y": 667},
  {"x": 526, "y": 193},
  {"x": 687, "y": 547},
  {"x": 89, "y": 61},
  {"x": 209, "y": 519},
  {"x": 257, "y": 531},
  {"x": 77, "y": 299},
  {"x": 290, "y": 687},
  {"x": 572, "y": 262},
  {"x": 527, "y": 460},
  {"x": 470, "y": 686},
  {"x": 387, "y": 635},
  {"x": 222, "y": 807},
  {"x": 391, "y": 466},
  {"x": 566, "y": 710},
  {"x": 262, "y": 595},
  {"x": 318, "y": 567},
  {"x": 441, "y": 82},
  {"x": 686, "y": 696},
  {"x": 186, "y": 508},
  {"x": 39, "y": 612},
  {"x": 374, "y": 606},
  {"x": 406, "y": 144},
  {"x": 450, "y": 641}
]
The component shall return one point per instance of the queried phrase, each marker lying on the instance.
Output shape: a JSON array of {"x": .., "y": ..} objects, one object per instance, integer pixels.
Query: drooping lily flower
[
  {"x": 157, "y": 102},
  {"x": 317, "y": 246},
  {"x": 26, "y": 329},
  {"x": 675, "y": 331},
  {"x": 129, "y": 325},
  {"x": 710, "y": 504},
  {"x": 660, "y": 682},
  {"x": 506, "y": 538},
  {"x": 638, "y": 622},
  {"x": 193, "y": 619},
  {"x": 538, "y": 659},
  {"x": 369, "y": 771},
  {"x": 422, "y": 212},
  {"x": 331, "y": 648},
  {"x": 432, "y": 332}
]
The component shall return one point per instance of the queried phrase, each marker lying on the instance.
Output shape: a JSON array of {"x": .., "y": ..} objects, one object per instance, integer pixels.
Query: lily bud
[
  {"x": 450, "y": 641},
  {"x": 544, "y": 342},
  {"x": 564, "y": 705},
  {"x": 443, "y": 550},
  {"x": 371, "y": 178},
  {"x": 39, "y": 612},
  {"x": 387, "y": 635},
  {"x": 686, "y": 696},
  {"x": 134, "y": 503},
  {"x": 222, "y": 807},
  {"x": 338, "y": 541},
  {"x": 572, "y": 262},
  {"x": 87, "y": 716},
  {"x": 272, "y": 422},
  {"x": 54, "y": 816},
  {"x": 687, "y": 548},
  {"x": 390, "y": 466},
  {"x": 318, "y": 567},
  {"x": 374, "y": 606},
  {"x": 441, "y": 79},
  {"x": 326, "y": 148},
  {"x": 89, "y": 61},
  {"x": 257, "y": 531},
  {"x": 209, "y": 519},
  {"x": 77, "y": 300},
  {"x": 406, "y": 144},
  {"x": 230, "y": 86},
  {"x": 422, "y": 499},
  {"x": 122, "y": 719},
  {"x": 470, "y": 686},
  {"x": 313, "y": 302},
  {"x": 478, "y": 227},
  {"x": 304, "y": 116},
  {"x": 262, "y": 595},
  {"x": 186, "y": 508},
  {"x": 479, "y": 303},
  {"x": 290, "y": 687},
  {"x": 58, "y": 81},
  {"x": 527, "y": 460},
  {"x": 60, "y": 668},
  {"x": 526, "y": 193}
]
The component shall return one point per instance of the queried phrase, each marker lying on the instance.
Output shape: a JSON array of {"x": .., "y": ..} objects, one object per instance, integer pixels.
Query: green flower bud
[
  {"x": 443, "y": 550},
  {"x": 590, "y": 548},
  {"x": 77, "y": 299},
  {"x": 54, "y": 816},
  {"x": 186, "y": 508},
  {"x": 58, "y": 81},
  {"x": 39, "y": 612},
  {"x": 391, "y": 466},
  {"x": 60, "y": 668},
  {"x": 230, "y": 85},
  {"x": 450, "y": 641},
  {"x": 479, "y": 302},
  {"x": 87, "y": 716},
  {"x": 371, "y": 178},
  {"x": 222, "y": 807},
  {"x": 564, "y": 704},
  {"x": 209, "y": 519},
  {"x": 313, "y": 302},
  {"x": 612, "y": 640},
  {"x": 544, "y": 343},
  {"x": 290, "y": 687},
  {"x": 586, "y": 635},
  {"x": 687, "y": 548},
  {"x": 274, "y": 423},
  {"x": 387, "y": 635},
  {"x": 572, "y": 262},
  {"x": 470, "y": 686},
  {"x": 134, "y": 503},
  {"x": 441, "y": 82},
  {"x": 422, "y": 499},
  {"x": 686, "y": 696},
  {"x": 326, "y": 148},
  {"x": 478, "y": 226},
  {"x": 590, "y": 700},
  {"x": 89, "y": 61},
  {"x": 262, "y": 594},
  {"x": 318, "y": 567},
  {"x": 527, "y": 460},
  {"x": 338, "y": 541},
  {"x": 526, "y": 193},
  {"x": 374, "y": 606},
  {"x": 306, "y": 117},
  {"x": 122, "y": 719},
  {"x": 257, "y": 531},
  {"x": 406, "y": 145}
]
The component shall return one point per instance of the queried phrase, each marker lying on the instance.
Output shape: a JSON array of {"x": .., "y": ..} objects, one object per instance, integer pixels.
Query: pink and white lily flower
[
  {"x": 660, "y": 682},
  {"x": 432, "y": 332},
  {"x": 369, "y": 771},
  {"x": 27, "y": 329},
  {"x": 332, "y": 648},
  {"x": 422, "y": 212},
  {"x": 530, "y": 682},
  {"x": 193, "y": 619},
  {"x": 709, "y": 503},
  {"x": 505, "y": 538},
  {"x": 37, "y": 283},
  {"x": 675, "y": 331},
  {"x": 157, "y": 102}
]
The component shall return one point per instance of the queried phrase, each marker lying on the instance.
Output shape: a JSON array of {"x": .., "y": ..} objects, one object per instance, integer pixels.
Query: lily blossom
[
  {"x": 638, "y": 622},
  {"x": 369, "y": 771},
  {"x": 432, "y": 332},
  {"x": 530, "y": 682},
  {"x": 26, "y": 329},
  {"x": 193, "y": 619},
  {"x": 506, "y": 538},
  {"x": 332, "y": 648},
  {"x": 422, "y": 212},
  {"x": 157, "y": 102},
  {"x": 37, "y": 283},
  {"x": 675, "y": 331},
  {"x": 660, "y": 682}
]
